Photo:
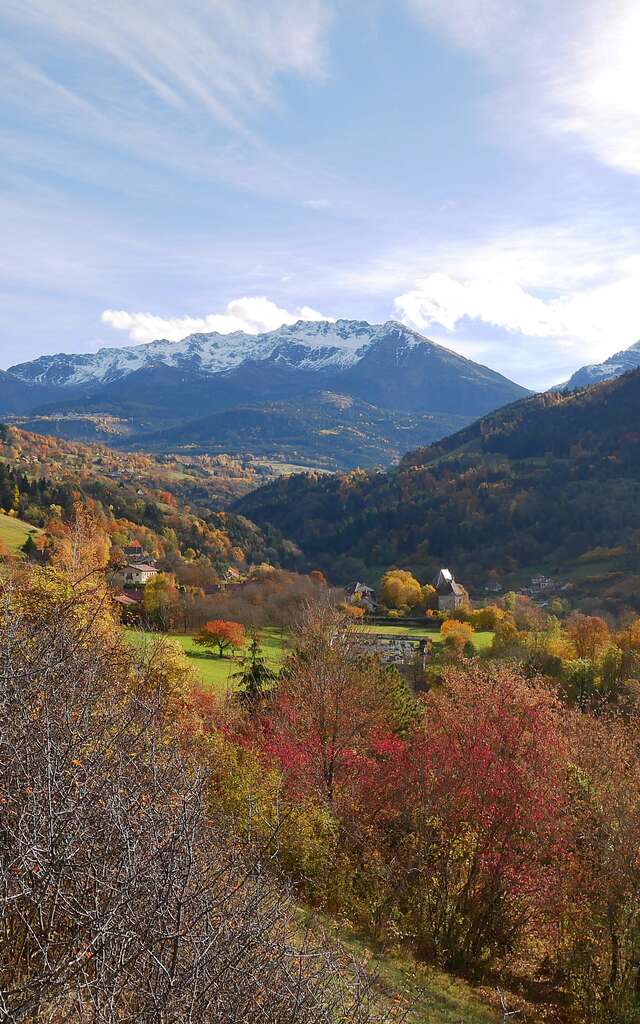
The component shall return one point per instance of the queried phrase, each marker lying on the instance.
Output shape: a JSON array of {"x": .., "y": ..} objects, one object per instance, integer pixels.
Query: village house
[
  {"x": 138, "y": 574},
  {"x": 541, "y": 583},
  {"x": 451, "y": 595}
]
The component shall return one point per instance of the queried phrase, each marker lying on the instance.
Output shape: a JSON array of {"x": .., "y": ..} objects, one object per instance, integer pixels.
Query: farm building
[
  {"x": 128, "y": 606},
  {"x": 398, "y": 650}
]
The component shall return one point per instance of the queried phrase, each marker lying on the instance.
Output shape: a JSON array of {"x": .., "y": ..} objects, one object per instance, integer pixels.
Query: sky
[{"x": 469, "y": 167}]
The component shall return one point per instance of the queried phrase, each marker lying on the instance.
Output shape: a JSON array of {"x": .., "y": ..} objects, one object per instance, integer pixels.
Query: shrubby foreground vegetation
[
  {"x": 124, "y": 898},
  {"x": 149, "y": 830}
]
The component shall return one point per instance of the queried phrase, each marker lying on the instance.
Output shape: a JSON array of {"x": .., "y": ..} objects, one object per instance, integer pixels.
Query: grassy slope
[
  {"x": 217, "y": 672},
  {"x": 14, "y": 532},
  {"x": 412, "y": 992}
]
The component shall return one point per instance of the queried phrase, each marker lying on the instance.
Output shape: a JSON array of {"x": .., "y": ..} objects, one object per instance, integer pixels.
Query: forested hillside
[
  {"x": 552, "y": 481},
  {"x": 168, "y": 507}
]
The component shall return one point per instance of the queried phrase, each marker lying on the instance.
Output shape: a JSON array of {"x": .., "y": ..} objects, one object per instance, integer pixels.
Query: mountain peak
[
  {"x": 399, "y": 386},
  {"x": 388, "y": 364},
  {"x": 306, "y": 344},
  {"x": 617, "y": 364}
]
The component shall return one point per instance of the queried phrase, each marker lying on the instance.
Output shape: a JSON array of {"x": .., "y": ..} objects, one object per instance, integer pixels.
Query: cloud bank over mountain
[{"x": 251, "y": 315}]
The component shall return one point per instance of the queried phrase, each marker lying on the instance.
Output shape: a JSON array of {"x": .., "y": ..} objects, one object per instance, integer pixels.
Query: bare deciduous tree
[{"x": 121, "y": 901}]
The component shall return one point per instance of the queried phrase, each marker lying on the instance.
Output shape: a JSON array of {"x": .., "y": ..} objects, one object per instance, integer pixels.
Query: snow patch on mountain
[
  {"x": 305, "y": 345},
  {"x": 614, "y": 366}
]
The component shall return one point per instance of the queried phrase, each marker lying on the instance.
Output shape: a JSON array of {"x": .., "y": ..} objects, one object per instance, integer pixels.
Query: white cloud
[
  {"x": 570, "y": 69},
  {"x": 595, "y": 318},
  {"x": 251, "y": 315},
  {"x": 538, "y": 305}
]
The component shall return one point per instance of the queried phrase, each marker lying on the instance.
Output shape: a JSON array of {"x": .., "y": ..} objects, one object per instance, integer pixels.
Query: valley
[
  {"x": 319, "y": 512},
  {"x": 434, "y": 604},
  {"x": 547, "y": 485}
]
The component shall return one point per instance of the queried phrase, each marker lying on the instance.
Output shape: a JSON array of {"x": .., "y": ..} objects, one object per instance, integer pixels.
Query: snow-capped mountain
[
  {"x": 282, "y": 393},
  {"x": 614, "y": 366},
  {"x": 304, "y": 345}
]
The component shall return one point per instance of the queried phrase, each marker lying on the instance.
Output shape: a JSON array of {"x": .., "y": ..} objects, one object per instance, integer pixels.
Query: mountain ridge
[
  {"x": 330, "y": 343},
  {"x": 309, "y": 346}
]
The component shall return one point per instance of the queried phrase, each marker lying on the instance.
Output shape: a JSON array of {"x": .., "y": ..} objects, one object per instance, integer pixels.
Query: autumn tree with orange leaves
[
  {"x": 221, "y": 635},
  {"x": 589, "y": 633}
]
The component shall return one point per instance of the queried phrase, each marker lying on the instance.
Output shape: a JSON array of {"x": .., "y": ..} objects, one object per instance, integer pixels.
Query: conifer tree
[{"x": 255, "y": 678}]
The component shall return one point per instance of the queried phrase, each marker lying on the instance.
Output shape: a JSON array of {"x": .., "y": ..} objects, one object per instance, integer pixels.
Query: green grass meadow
[
  {"x": 213, "y": 671},
  {"x": 217, "y": 673},
  {"x": 14, "y": 532},
  {"x": 404, "y": 989},
  {"x": 481, "y": 641}
]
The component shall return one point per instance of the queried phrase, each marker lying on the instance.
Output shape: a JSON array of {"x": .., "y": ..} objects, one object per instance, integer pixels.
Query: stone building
[
  {"x": 360, "y": 593},
  {"x": 451, "y": 595}
]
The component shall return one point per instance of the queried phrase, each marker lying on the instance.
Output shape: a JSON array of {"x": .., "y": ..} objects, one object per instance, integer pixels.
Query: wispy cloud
[
  {"x": 569, "y": 69},
  {"x": 173, "y": 89},
  {"x": 317, "y": 204},
  {"x": 222, "y": 54},
  {"x": 249, "y": 314}
]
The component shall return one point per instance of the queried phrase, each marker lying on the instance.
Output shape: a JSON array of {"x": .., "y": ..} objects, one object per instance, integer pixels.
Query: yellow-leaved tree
[
  {"x": 81, "y": 547},
  {"x": 400, "y": 589}
]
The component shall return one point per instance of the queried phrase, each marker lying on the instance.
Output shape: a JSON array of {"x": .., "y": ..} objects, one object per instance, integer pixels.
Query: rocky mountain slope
[
  {"x": 313, "y": 348},
  {"x": 306, "y": 345}
]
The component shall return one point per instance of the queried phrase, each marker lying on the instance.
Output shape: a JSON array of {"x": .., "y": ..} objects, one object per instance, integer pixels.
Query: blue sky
[{"x": 471, "y": 167}]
